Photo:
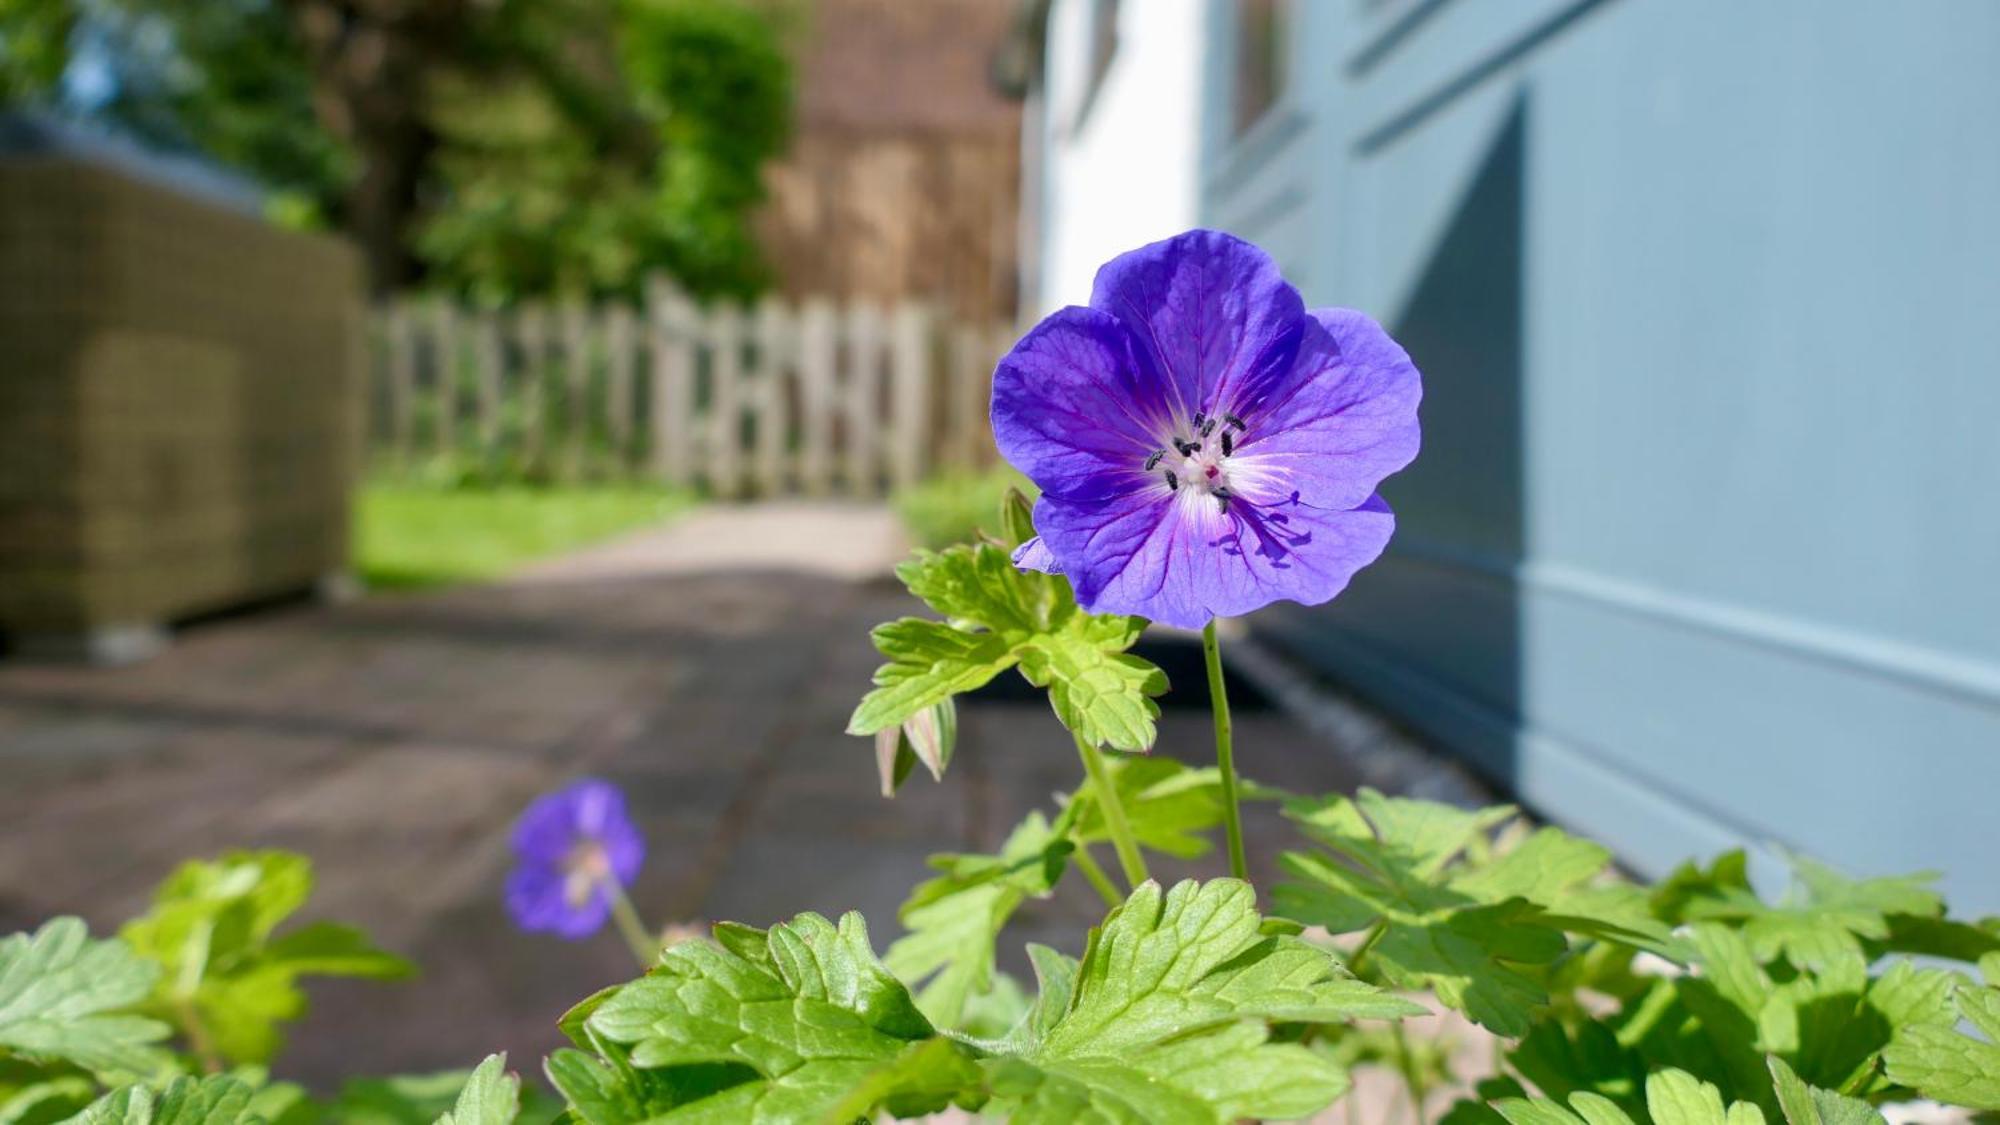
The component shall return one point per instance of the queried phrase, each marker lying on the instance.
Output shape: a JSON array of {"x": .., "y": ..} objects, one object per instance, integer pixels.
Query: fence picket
[
  {"x": 620, "y": 354},
  {"x": 575, "y": 367},
  {"x": 445, "y": 358},
  {"x": 773, "y": 332},
  {"x": 863, "y": 391},
  {"x": 819, "y": 344},
  {"x": 722, "y": 454},
  {"x": 531, "y": 333},
  {"x": 911, "y": 371},
  {"x": 814, "y": 398},
  {"x": 399, "y": 342},
  {"x": 490, "y": 359}
]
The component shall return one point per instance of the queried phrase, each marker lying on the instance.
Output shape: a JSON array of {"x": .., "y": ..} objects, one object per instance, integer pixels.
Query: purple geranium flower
[
  {"x": 576, "y": 849},
  {"x": 1204, "y": 443}
]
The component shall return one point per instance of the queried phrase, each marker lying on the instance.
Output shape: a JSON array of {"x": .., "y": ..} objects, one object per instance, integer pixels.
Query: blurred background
[{"x": 407, "y": 406}]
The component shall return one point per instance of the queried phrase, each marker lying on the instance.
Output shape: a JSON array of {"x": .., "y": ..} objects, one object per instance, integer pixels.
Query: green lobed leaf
[
  {"x": 492, "y": 1096},
  {"x": 1824, "y": 915},
  {"x": 1809, "y": 1105},
  {"x": 998, "y": 617},
  {"x": 62, "y": 997},
  {"x": 211, "y": 930},
  {"x": 212, "y": 1100},
  {"x": 1451, "y": 915},
  {"x": 1675, "y": 1097},
  {"x": 804, "y": 1009},
  {"x": 955, "y": 919},
  {"x": 32, "y": 1093},
  {"x": 1167, "y": 1017},
  {"x": 1942, "y": 1064},
  {"x": 1169, "y": 806}
]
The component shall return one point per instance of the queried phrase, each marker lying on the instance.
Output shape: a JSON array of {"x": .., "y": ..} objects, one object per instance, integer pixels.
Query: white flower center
[
  {"x": 1197, "y": 463},
  {"x": 585, "y": 869}
]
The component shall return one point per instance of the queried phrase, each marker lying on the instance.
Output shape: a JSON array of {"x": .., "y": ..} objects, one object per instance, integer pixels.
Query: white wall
[{"x": 1126, "y": 174}]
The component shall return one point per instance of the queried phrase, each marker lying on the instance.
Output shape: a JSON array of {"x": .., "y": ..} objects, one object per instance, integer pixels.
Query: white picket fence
[{"x": 776, "y": 399}]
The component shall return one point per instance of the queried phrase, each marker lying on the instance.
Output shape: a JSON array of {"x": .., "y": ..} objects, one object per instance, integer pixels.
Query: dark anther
[
  {"x": 1233, "y": 420},
  {"x": 1199, "y": 418},
  {"x": 1222, "y": 499},
  {"x": 1208, "y": 427},
  {"x": 1188, "y": 448},
  {"x": 1228, "y": 445},
  {"x": 1173, "y": 482},
  {"x": 1153, "y": 462}
]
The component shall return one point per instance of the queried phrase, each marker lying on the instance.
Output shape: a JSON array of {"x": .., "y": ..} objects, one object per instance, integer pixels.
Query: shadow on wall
[{"x": 1445, "y": 654}]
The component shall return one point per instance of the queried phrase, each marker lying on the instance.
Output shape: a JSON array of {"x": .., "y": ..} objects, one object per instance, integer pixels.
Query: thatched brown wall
[
  {"x": 178, "y": 413},
  {"x": 904, "y": 177}
]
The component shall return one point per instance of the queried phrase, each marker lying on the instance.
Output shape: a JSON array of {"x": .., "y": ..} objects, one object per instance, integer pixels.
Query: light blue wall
[{"x": 1704, "y": 546}]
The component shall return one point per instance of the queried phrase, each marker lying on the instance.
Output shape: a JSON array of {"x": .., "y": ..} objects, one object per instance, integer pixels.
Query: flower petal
[
  {"x": 1177, "y": 559},
  {"x": 1035, "y": 555},
  {"x": 1209, "y": 313},
  {"x": 547, "y": 830},
  {"x": 1345, "y": 418},
  {"x": 537, "y": 902},
  {"x": 1070, "y": 408}
]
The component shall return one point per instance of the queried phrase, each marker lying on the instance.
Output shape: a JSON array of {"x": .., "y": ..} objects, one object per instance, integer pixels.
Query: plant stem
[
  {"x": 1094, "y": 873},
  {"x": 1368, "y": 941},
  {"x": 1407, "y": 1064},
  {"x": 644, "y": 945},
  {"x": 197, "y": 1034},
  {"x": 1108, "y": 800},
  {"x": 1225, "y": 751}
]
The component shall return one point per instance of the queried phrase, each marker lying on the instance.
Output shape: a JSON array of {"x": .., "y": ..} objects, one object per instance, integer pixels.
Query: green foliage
[
  {"x": 1446, "y": 910},
  {"x": 713, "y": 75},
  {"x": 34, "y": 48},
  {"x": 228, "y": 980},
  {"x": 1675, "y": 1097},
  {"x": 67, "y": 999},
  {"x": 956, "y": 918},
  {"x": 491, "y": 1096},
  {"x": 1824, "y": 916},
  {"x": 1168, "y": 1017},
  {"x": 1171, "y": 807},
  {"x": 229, "y": 80},
  {"x": 515, "y": 148},
  {"x": 213, "y": 1100},
  {"x": 959, "y": 507},
  {"x": 800, "y": 1016},
  {"x": 999, "y": 617},
  {"x": 1938, "y": 1062}
]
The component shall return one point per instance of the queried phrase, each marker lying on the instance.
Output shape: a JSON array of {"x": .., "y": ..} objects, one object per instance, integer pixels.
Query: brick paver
[{"x": 708, "y": 667}]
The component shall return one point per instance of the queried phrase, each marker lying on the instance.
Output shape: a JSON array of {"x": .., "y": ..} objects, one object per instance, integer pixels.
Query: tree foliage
[{"x": 501, "y": 149}]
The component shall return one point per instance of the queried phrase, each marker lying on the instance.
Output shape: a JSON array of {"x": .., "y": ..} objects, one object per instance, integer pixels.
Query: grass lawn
[{"x": 408, "y": 536}]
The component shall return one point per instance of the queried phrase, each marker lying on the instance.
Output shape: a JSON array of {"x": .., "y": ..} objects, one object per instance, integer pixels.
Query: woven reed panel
[{"x": 179, "y": 401}]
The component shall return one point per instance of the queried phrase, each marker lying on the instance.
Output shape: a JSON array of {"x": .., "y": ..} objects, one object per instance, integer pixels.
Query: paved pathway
[{"x": 708, "y": 667}]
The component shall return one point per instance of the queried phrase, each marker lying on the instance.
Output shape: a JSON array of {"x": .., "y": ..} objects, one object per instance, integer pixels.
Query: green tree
[
  {"x": 34, "y": 47},
  {"x": 495, "y": 147}
]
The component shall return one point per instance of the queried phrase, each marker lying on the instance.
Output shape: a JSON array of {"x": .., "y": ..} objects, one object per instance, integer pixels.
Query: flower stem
[
  {"x": 1094, "y": 874},
  {"x": 644, "y": 945},
  {"x": 1368, "y": 940},
  {"x": 1225, "y": 751},
  {"x": 1114, "y": 813}
]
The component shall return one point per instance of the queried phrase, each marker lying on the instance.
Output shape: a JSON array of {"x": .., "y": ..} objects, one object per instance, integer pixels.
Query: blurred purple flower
[
  {"x": 1205, "y": 444},
  {"x": 575, "y": 849}
]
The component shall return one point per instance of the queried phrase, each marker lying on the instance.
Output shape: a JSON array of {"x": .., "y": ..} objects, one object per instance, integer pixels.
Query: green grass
[
  {"x": 955, "y": 507},
  {"x": 410, "y": 536}
]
